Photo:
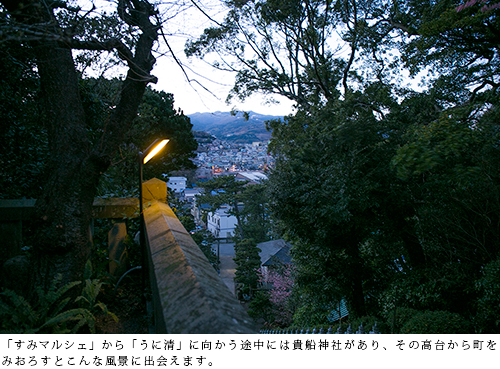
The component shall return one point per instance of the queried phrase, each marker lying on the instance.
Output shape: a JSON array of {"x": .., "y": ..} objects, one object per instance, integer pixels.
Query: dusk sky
[{"x": 209, "y": 87}]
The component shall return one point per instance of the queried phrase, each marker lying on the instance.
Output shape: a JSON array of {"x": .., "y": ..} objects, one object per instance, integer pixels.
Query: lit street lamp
[{"x": 144, "y": 157}]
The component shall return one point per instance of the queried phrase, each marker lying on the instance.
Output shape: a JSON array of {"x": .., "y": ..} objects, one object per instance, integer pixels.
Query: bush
[
  {"x": 488, "y": 286},
  {"x": 403, "y": 315},
  {"x": 260, "y": 308},
  {"x": 55, "y": 310},
  {"x": 311, "y": 315},
  {"x": 437, "y": 322}
]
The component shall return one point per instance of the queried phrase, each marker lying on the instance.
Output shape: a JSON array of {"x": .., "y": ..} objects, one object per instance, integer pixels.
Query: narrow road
[{"x": 227, "y": 264}]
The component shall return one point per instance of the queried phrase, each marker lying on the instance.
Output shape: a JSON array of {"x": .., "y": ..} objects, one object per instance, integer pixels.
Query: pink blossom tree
[
  {"x": 488, "y": 5},
  {"x": 281, "y": 282}
]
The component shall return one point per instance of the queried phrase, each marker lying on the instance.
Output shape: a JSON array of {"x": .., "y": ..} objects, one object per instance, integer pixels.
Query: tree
[
  {"x": 329, "y": 182},
  {"x": 75, "y": 164},
  {"x": 247, "y": 261},
  {"x": 289, "y": 48},
  {"x": 224, "y": 190},
  {"x": 459, "y": 44},
  {"x": 281, "y": 281},
  {"x": 449, "y": 162},
  {"x": 255, "y": 213},
  {"x": 389, "y": 195},
  {"x": 323, "y": 181}
]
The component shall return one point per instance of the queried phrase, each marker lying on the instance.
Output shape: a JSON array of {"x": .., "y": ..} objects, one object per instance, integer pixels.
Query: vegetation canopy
[
  {"x": 69, "y": 137},
  {"x": 388, "y": 190}
]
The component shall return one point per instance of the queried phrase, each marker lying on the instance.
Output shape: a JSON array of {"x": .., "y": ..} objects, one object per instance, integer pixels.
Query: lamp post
[{"x": 144, "y": 157}]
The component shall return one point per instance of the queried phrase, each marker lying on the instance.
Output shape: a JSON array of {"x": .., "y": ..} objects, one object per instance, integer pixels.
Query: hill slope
[{"x": 233, "y": 128}]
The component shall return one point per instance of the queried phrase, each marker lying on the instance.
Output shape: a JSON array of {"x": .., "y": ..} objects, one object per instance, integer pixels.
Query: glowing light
[{"x": 155, "y": 150}]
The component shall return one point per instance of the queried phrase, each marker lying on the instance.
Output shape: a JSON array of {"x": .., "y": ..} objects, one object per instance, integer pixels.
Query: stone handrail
[{"x": 188, "y": 294}]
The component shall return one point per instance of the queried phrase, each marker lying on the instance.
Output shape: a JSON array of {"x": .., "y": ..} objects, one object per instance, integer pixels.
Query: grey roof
[
  {"x": 274, "y": 252},
  {"x": 194, "y": 191},
  {"x": 281, "y": 257}
]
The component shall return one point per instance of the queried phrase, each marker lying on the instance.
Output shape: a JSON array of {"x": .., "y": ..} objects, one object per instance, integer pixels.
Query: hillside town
[{"x": 218, "y": 157}]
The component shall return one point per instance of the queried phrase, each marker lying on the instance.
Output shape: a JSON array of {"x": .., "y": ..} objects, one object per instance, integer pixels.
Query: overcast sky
[
  {"x": 193, "y": 96},
  {"x": 199, "y": 87}
]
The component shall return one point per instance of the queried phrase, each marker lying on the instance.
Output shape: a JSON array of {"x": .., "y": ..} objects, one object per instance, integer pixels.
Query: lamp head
[{"x": 153, "y": 149}]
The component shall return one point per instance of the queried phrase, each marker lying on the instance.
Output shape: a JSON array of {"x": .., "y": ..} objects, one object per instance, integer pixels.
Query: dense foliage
[
  {"x": 388, "y": 192},
  {"x": 247, "y": 261},
  {"x": 25, "y": 155},
  {"x": 22, "y": 132},
  {"x": 156, "y": 118},
  {"x": 67, "y": 138}
]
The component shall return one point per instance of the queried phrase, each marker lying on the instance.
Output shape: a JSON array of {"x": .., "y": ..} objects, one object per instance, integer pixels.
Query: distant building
[
  {"x": 203, "y": 173},
  {"x": 220, "y": 223},
  {"x": 190, "y": 194},
  {"x": 177, "y": 184},
  {"x": 274, "y": 253},
  {"x": 251, "y": 177}
]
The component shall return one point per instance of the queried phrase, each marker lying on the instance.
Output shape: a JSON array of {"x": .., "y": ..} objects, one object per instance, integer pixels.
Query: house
[
  {"x": 274, "y": 253},
  {"x": 190, "y": 194},
  {"x": 221, "y": 223},
  {"x": 177, "y": 184},
  {"x": 197, "y": 212}
]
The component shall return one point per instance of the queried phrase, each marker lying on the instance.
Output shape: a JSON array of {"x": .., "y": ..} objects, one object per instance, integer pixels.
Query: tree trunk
[
  {"x": 413, "y": 247},
  {"x": 63, "y": 212},
  {"x": 355, "y": 294},
  {"x": 407, "y": 233},
  {"x": 238, "y": 219}
]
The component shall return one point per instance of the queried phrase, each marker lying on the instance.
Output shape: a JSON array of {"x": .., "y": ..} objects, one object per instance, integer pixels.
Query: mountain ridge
[{"x": 233, "y": 127}]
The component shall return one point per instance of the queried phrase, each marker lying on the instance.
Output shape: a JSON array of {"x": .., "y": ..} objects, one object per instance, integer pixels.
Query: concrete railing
[{"x": 188, "y": 294}]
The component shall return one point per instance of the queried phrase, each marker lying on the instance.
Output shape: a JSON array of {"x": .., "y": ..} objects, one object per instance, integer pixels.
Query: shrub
[
  {"x": 260, "y": 308},
  {"x": 403, "y": 315},
  {"x": 436, "y": 322},
  {"x": 488, "y": 287},
  {"x": 53, "y": 310},
  {"x": 311, "y": 314}
]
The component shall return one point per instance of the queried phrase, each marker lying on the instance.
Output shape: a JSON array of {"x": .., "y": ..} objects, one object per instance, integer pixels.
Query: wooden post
[{"x": 118, "y": 254}]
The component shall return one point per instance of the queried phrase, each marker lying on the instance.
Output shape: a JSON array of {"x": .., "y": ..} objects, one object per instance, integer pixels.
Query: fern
[
  {"x": 24, "y": 315},
  {"x": 47, "y": 300},
  {"x": 82, "y": 315},
  {"x": 51, "y": 311},
  {"x": 105, "y": 310}
]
